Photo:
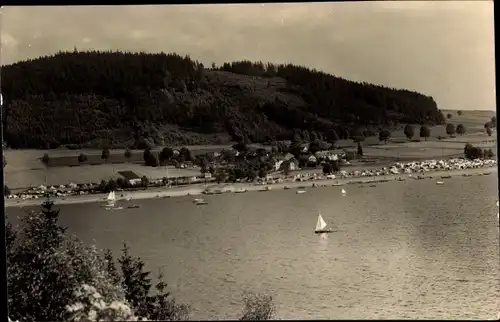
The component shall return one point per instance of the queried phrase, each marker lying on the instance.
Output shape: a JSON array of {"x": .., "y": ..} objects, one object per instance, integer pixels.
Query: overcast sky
[{"x": 443, "y": 49}]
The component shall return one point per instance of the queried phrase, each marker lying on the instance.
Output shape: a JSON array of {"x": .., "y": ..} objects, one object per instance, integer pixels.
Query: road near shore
[{"x": 198, "y": 189}]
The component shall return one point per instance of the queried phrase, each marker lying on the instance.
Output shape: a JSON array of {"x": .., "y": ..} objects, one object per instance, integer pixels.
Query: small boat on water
[
  {"x": 343, "y": 192},
  {"x": 321, "y": 226},
  {"x": 299, "y": 192},
  {"x": 240, "y": 190},
  {"x": 287, "y": 187},
  {"x": 133, "y": 206},
  {"x": 111, "y": 197},
  {"x": 110, "y": 200},
  {"x": 439, "y": 182},
  {"x": 201, "y": 202},
  {"x": 265, "y": 189}
]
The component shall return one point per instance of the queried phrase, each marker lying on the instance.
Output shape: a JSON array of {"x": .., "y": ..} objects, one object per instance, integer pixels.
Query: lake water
[{"x": 409, "y": 249}]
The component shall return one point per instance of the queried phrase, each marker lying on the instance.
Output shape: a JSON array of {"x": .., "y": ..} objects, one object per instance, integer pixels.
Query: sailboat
[
  {"x": 200, "y": 202},
  {"x": 343, "y": 192},
  {"x": 320, "y": 226},
  {"x": 111, "y": 199}
]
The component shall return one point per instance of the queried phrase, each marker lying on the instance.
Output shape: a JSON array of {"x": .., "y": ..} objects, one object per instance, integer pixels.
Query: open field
[
  {"x": 24, "y": 167},
  {"x": 18, "y": 176},
  {"x": 473, "y": 120},
  {"x": 85, "y": 174}
]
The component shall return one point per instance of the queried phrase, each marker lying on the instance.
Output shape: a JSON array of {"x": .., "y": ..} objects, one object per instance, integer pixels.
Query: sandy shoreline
[{"x": 195, "y": 190}]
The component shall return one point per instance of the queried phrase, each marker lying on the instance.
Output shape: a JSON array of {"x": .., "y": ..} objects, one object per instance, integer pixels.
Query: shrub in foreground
[
  {"x": 90, "y": 305},
  {"x": 45, "y": 266},
  {"x": 54, "y": 276},
  {"x": 258, "y": 307}
]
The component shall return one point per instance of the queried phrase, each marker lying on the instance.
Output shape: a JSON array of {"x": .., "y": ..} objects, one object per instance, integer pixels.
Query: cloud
[{"x": 7, "y": 41}]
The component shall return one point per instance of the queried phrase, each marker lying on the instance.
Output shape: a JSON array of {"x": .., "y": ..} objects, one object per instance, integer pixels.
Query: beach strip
[{"x": 199, "y": 189}]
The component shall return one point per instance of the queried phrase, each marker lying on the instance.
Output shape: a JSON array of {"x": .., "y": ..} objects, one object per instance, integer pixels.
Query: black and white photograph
[{"x": 263, "y": 161}]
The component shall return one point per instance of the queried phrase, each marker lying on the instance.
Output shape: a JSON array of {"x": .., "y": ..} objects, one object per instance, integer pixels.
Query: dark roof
[{"x": 129, "y": 175}]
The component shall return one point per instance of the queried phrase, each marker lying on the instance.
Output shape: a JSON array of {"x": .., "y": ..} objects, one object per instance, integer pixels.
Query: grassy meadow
[{"x": 24, "y": 167}]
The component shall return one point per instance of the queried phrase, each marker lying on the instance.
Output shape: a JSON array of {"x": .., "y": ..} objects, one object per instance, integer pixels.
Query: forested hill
[{"x": 118, "y": 99}]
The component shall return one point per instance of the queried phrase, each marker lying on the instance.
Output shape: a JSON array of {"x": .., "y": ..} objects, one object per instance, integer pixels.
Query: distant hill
[{"x": 91, "y": 99}]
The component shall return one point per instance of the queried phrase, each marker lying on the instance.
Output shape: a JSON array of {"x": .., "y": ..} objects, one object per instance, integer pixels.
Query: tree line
[
  {"x": 118, "y": 99},
  {"x": 473, "y": 152},
  {"x": 425, "y": 131}
]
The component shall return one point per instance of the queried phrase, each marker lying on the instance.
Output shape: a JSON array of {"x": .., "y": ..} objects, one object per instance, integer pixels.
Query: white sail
[
  {"x": 111, "y": 196},
  {"x": 321, "y": 224},
  {"x": 343, "y": 192}
]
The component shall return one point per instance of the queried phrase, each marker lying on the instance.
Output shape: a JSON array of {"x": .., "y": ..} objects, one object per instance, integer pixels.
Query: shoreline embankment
[{"x": 200, "y": 189}]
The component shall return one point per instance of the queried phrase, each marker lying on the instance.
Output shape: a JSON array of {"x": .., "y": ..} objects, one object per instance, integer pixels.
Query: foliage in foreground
[
  {"x": 258, "y": 307},
  {"x": 54, "y": 276},
  {"x": 45, "y": 267}
]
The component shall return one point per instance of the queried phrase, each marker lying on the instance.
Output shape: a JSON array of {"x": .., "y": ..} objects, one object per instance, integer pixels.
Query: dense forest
[{"x": 117, "y": 99}]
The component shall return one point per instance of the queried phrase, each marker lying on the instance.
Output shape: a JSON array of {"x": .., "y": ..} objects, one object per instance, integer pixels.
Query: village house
[
  {"x": 291, "y": 164},
  {"x": 338, "y": 154},
  {"x": 322, "y": 155},
  {"x": 312, "y": 160},
  {"x": 331, "y": 155},
  {"x": 280, "y": 159},
  {"x": 350, "y": 154},
  {"x": 130, "y": 176},
  {"x": 277, "y": 164}
]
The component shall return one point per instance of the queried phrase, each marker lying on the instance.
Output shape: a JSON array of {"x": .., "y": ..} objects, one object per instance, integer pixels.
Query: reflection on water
[{"x": 409, "y": 249}]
